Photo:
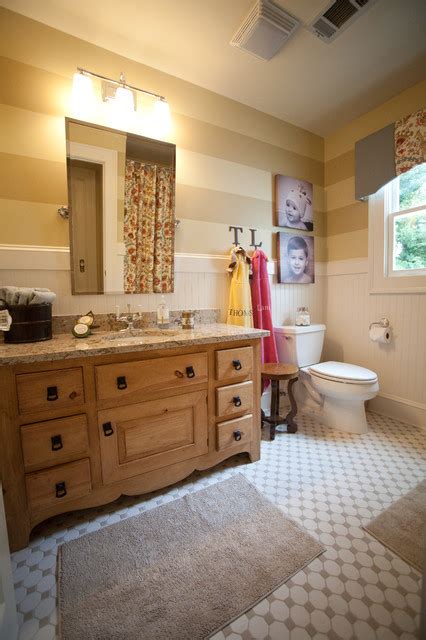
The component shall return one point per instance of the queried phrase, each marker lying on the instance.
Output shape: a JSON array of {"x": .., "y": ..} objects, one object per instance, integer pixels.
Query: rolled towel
[
  {"x": 41, "y": 297},
  {"x": 9, "y": 294},
  {"x": 24, "y": 295}
]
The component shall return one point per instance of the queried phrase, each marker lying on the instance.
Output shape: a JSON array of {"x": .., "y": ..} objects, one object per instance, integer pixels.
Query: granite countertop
[{"x": 65, "y": 346}]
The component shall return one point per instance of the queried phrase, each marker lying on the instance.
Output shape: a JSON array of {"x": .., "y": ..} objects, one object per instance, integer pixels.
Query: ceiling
[{"x": 309, "y": 83}]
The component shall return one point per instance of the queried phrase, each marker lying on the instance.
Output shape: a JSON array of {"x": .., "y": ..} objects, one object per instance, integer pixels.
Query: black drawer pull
[
  {"x": 108, "y": 430},
  {"x": 52, "y": 393},
  {"x": 237, "y": 435},
  {"x": 237, "y": 365},
  {"x": 237, "y": 401},
  {"x": 190, "y": 372},
  {"x": 61, "y": 489},
  {"x": 56, "y": 443},
  {"x": 121, "y": 382}
]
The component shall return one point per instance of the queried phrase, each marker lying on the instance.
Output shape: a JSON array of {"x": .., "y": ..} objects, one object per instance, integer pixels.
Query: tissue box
[{"x": 30, "y": 323}]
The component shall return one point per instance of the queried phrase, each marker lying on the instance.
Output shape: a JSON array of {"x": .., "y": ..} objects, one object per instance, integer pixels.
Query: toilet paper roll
[{"x": 380, "y": 334}]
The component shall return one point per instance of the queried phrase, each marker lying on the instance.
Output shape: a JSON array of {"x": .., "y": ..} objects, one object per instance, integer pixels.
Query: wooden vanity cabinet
[{"x": 80, "y": 432}]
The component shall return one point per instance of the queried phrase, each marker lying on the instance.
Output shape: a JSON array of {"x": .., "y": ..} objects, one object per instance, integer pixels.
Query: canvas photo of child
[
  {"x": 294, "y": 203},
  {"x": 296, "y": 258}
]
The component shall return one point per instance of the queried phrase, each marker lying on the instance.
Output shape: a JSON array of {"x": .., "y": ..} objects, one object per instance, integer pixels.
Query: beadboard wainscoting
[
  {"x": 201, "y": 282},
  {"x": 400, "y": 365}
]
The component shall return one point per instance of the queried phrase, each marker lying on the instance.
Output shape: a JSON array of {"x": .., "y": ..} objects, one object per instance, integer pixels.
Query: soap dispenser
[{"x": 163, "y": 314}]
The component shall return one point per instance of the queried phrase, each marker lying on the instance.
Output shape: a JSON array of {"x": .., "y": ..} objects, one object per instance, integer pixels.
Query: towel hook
[
  {"x": 253, "y": 239},
  {"x": 236, "y": 230}
]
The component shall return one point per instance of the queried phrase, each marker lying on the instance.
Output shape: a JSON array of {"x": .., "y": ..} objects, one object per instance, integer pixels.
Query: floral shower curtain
[{"x": 148, "y": 228}]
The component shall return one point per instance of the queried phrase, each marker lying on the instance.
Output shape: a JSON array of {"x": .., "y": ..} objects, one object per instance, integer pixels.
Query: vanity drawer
[
  {"x": 61, "y": 484},
  {"x": 234, "y": 363},
  {"x": 148, "y": 376},
  {"x": 49, "y": 390},
  {"x": 234, "y": 398},
  {"x": 234, "y": 433},
  {"x": 46, "y": 444}
]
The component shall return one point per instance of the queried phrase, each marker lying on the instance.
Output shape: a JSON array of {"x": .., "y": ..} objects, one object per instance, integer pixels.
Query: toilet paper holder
[{"x": 383, "y": 322}]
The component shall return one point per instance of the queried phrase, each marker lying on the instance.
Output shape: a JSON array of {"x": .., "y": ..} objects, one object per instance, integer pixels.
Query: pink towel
[{"x": 261, "y": 303}]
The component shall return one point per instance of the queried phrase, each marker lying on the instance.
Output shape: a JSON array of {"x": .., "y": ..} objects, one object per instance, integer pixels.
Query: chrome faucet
[{"x": 129, "y": 318}]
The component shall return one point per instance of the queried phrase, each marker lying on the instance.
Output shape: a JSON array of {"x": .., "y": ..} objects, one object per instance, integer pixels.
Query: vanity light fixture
[
  {"x": 82, "y": 97},
  {"x": 120, "y": 94}
]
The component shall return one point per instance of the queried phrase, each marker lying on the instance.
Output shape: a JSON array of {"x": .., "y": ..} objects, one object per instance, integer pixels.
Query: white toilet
[{"x": 333, "y": 392}]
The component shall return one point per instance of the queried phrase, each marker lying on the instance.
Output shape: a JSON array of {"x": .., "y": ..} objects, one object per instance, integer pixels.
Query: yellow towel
[{"x": 240, "y": 310}]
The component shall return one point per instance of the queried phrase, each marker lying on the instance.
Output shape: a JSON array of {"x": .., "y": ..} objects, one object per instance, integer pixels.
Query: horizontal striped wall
[
  {"x": 227, "y": 153},
  {"x": 346, "y": 219}
]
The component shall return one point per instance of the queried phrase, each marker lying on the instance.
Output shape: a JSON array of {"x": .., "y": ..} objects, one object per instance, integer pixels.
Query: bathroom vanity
[{"x": 85, "y": 421}]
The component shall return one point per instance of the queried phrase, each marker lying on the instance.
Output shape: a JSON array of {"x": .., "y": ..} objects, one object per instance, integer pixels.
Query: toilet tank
[{"x": 300, "y": 345}]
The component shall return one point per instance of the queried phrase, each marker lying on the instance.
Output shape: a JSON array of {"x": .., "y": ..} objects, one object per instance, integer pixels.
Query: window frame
[
  {"x": 400, "y": 273},
  {"x": 382, "y": 209}
]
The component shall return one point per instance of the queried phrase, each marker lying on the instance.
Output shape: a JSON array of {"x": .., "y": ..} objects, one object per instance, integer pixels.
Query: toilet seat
[{"x": 343, "y": 373}]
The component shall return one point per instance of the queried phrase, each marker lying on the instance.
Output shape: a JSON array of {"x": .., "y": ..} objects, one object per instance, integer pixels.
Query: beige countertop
[{"x": 65, "y": 346}]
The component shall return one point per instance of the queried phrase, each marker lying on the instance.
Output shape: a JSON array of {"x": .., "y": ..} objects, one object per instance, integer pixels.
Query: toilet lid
[{"x": 343, "y": 372}]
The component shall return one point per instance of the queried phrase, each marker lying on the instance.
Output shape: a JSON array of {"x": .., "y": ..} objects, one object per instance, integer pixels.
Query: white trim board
[
  {"x": 398, "y": 408},
  {"x": 34, "y": 258},
  {"x": 47, "y": 258}
]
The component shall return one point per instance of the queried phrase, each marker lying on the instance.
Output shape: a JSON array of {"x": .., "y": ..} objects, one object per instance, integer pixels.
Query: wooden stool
[{"x": 275, "y": 373}]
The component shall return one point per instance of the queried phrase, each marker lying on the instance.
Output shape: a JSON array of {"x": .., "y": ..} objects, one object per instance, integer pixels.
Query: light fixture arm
[{"x": 120, "y": 83}]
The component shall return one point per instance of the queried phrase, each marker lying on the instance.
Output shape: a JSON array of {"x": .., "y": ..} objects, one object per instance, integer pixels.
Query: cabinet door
[{"x": 142, "y": 437}]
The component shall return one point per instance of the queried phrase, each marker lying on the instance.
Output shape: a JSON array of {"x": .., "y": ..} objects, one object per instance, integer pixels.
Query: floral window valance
[
  {"x": 387, "y": 153},
  {"x": 410, "y": 141}
]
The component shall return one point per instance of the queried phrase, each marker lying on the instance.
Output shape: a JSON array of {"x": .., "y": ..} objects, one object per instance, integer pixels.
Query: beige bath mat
[
  {"x": 402, "y": 527},
  {"x": 183, "y": 570}
]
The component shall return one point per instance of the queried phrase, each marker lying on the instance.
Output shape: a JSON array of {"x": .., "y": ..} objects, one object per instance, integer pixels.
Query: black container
[{"x": 30, "y": 323}]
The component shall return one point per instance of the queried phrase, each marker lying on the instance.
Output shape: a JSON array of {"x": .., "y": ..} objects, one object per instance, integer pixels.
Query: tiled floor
[{"x": 329, "y": 482}]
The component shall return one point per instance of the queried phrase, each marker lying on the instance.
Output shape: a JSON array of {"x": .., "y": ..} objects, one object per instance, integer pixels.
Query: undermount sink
[{"x": 138, "y": 335}]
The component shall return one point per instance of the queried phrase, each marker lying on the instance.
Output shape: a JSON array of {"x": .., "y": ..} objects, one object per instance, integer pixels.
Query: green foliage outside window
[{"x": 410, "y": 230}]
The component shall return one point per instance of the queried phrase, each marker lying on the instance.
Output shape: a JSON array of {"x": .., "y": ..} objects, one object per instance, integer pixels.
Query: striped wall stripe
[
  {"x": 196, "y": 135},
  {"x": 32, "y": 222},
  {"x": 345, "y": 246},
  {"x": 354, "y": 217},
  {"x": 32, "y": 134},
  {"x": 339, "y": 168},
  {"x": 229, "y": 209},
  {"x": 31, "y": 179}
]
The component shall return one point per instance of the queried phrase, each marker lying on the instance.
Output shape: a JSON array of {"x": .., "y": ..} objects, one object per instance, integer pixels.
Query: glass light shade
[
  {"x": 122, "y": 110},
  {"x": 82, "y": 96},
  {"x": 161, "y": 121},
  {"x": 124, "y": 101}
]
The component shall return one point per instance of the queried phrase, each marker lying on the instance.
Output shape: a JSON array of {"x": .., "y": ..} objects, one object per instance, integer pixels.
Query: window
[
  {"x": 397, "y": 235},
  {"x": 407, "y": 224}
]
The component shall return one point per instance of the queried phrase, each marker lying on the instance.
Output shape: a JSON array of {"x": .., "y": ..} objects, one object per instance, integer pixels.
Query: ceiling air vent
[
  {"x": 337, "y": 17},
  {"x": 264, "y": 31}
]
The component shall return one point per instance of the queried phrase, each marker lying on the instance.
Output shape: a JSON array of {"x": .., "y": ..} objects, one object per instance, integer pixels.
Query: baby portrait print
[
  {"x": 296, "y": 258},
  {"x": 294, "y": 203}
]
